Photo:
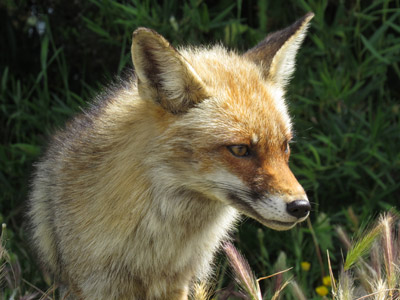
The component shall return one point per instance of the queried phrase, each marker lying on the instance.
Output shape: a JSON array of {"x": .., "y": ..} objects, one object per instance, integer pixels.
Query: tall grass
[
  {"x": 378, "y": 275},
  {"x": 371, "y": 269}
]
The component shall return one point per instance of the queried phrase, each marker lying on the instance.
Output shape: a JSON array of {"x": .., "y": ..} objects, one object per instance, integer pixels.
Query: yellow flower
[
  {"x": 322, "y": 290},
  {"x": 305, "y": 266},
  {"x": 326, "y": 281}
]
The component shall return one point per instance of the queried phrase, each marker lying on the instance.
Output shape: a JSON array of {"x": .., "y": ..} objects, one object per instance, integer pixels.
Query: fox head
[{"x": 224, "y": 129}]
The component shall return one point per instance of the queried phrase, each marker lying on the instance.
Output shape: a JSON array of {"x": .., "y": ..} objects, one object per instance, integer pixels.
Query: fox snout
[
  {"x": 284, "y": 203},
  {"x": 275, "y": 212}
]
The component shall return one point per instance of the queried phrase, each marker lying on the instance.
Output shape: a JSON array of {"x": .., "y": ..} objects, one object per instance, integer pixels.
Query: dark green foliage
[{"x": 345, "y": 100}]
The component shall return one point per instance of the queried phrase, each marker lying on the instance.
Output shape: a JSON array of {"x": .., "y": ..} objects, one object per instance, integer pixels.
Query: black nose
[{"x": 298, "y": 208}]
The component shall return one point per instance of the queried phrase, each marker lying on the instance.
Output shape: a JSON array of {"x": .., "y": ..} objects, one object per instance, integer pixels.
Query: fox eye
[{"x": 239, "y": 150}]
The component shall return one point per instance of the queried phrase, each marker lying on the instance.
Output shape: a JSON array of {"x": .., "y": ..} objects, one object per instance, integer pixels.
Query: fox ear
[
  {"x": 164, "y": 75},
  {"x": 277, "y": 52}
]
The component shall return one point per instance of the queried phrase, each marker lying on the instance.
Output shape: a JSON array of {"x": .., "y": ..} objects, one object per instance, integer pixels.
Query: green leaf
[
  {"x": 31, "y": 150},
  {"x": 371, "y": 48}
]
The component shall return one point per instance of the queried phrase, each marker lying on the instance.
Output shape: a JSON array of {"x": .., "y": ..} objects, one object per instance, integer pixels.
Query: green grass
[{"x": 344, "y": 98}]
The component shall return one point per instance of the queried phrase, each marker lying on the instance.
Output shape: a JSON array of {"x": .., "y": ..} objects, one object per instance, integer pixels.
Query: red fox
[{"x": 134, "y": 197}]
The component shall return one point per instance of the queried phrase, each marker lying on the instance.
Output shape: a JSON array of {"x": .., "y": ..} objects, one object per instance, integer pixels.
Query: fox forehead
[{"x": 242, "y": 102}]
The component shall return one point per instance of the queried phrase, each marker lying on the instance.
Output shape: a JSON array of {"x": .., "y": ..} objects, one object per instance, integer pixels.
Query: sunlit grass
[
  {"x": 371, "y": 269},
  {"x": 378, "y": 275}
]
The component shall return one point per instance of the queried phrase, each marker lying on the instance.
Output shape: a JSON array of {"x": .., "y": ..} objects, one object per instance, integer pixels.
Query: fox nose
[{"x": 298, "y": 208}]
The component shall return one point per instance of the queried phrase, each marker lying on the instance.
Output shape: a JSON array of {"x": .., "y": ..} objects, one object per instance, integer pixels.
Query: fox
[{"x": 134, "y": 197}]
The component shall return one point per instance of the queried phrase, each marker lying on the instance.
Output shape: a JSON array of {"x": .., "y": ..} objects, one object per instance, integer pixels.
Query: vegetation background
[{"x": 345, "y": 100}]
